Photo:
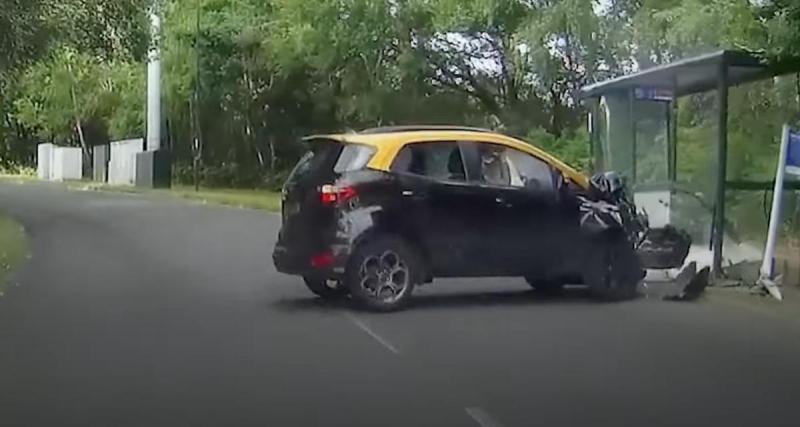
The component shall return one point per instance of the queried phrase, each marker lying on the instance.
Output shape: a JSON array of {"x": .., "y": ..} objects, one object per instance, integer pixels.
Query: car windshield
[{"x": 399, "y": 213}]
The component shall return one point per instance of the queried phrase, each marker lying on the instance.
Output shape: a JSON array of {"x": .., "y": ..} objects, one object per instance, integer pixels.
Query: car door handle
[{"x": 502, "y": 201}]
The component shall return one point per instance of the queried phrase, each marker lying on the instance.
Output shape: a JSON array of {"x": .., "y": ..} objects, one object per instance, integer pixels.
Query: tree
[
  {"x": 24, "y": 34},
  {"x": 72, "y": 94},
  {"x": 47, "y": 46},
  {"x": 272, "y": 71},
  {"x": 100, "y": 27},
  {"x": 521, "y": 61}
]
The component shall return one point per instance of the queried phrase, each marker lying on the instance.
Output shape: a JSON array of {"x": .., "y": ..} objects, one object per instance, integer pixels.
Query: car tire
[
  {"x": 321, "y": 287},
  {"x": 545, "y": 286},
  {"x": 382, "y": 273},
  {"x": 614, "y": 270}
]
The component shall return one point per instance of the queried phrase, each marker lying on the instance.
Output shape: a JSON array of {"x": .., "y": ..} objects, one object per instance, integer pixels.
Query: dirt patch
[{"x": 788, "y": 263}]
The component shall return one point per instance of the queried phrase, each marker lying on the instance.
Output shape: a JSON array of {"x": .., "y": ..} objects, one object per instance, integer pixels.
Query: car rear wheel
[
  {"x": 328, "y": 289},
  {"x": 614, "y": 271},
  {"x": 382, "y": 273}
]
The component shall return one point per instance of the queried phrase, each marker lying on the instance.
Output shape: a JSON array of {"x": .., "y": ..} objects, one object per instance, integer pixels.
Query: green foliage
[
  {"x": 109, "y": 29},
  {"x": 249, "y": 77},
  {"x": 244, "y": 198},
  {"x": 13, "y": 249},
  {"x": 24, "y": 33},
  {"x": 69, "y": 86},
  {"x": 573, "y": 148},
  {"x": 662, "y": 31}
]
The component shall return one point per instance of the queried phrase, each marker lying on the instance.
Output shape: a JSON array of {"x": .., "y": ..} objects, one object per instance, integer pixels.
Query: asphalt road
[{"x": 143, "y": 312}]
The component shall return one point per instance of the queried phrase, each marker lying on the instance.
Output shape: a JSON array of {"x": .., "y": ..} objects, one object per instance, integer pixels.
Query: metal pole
[
  {"x": 768, "y": 263},
  {"x": 197, "y": 143},
  {"x": 593, "y": 134},
  {"x": 722, "y": 167},
  {"x": 633, "y": 120},
  {"x": 154, "y": 81},
  {"x": 672, "y": 142}
]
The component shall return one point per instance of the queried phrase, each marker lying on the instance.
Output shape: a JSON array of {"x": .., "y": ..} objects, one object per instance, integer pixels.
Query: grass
[
  {"x": 243, "y": 198},
  {"x": 16, "y": 177},
  {"x": 253, "y": 199},
  {"x": 13, "y": 249}
]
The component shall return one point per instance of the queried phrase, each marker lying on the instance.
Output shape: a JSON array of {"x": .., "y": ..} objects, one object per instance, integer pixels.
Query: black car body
[{"x": 376, "y": 213}]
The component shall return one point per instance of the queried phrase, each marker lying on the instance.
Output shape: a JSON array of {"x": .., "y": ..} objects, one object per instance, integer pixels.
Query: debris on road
[
  {"x": 747, "y": 274},
  {"x": 690, "y": 284},
  {"x": 743, "y": 273},
  {"x": 687, "y": 285},
  {"x": 772, "y": 287}
]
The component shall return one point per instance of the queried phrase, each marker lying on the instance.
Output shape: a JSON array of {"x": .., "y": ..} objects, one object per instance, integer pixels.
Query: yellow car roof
[{"x": 389, "y": 144}]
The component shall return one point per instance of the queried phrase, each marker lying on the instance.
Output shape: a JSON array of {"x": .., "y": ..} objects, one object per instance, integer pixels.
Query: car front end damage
[{"x": 606, "y": 209}]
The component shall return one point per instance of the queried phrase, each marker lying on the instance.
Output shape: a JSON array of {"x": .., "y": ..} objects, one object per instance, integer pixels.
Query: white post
[
  {"x": 768, "y": 263},
  {"x": 154, "y": 82}
]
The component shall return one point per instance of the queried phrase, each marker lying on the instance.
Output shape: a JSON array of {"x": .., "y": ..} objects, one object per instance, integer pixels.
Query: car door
[
  {"x": 438, "y": 206},
  {"x": 522, "y": 192}
]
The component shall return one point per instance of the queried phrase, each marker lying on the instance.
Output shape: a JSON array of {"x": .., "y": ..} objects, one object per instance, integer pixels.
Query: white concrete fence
[
  {"x": 122, "y": 161},
  {"x": 59, "y": 163},
  {"x": 56, "y": 163}
]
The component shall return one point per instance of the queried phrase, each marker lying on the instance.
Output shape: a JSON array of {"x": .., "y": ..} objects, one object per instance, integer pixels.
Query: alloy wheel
[{"x": 384, "y": 277}]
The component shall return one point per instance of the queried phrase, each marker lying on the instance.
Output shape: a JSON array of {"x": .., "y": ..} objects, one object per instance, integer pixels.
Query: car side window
[
  {"x": 508, "y": 167},
  {"x": 436, "y": 160}
]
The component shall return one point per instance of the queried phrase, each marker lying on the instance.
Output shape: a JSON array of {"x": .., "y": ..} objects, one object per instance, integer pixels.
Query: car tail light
[
  {"x": 322, "y": 260},
  {"x": 331, "y": 194}
]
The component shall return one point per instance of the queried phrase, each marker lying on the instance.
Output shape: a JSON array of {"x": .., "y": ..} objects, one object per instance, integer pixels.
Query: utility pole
[
  {"x": 154, "y": 80},
  {"x": 154, "y": 165},
  {"x": 197, "y": 143}
]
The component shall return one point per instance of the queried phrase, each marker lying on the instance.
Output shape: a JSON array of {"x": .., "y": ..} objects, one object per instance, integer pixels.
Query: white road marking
[
  {"x": 483, "y": 418},
  {"x": 363, "y": 326}
]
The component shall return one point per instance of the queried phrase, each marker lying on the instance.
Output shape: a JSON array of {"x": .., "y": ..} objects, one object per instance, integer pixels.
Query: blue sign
[
  {"x": 653, "y": 94},
  {"x": 793, "y": 154}
]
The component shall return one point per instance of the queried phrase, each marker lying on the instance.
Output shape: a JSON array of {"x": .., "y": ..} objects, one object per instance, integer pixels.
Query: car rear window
[
  {"x": 328, "y": 157},
  {"x": 315, "y": 160},
  {"x": 353, "y": 157}
]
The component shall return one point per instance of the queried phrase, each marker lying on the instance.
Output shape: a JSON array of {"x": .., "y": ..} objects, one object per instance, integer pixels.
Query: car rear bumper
[
  {"x": 288, "y": 263},
  {"x": 299, "y": 263}
]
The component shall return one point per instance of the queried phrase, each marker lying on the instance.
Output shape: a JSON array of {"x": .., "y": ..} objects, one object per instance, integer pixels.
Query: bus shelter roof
[{"x": 694, "y": 75}]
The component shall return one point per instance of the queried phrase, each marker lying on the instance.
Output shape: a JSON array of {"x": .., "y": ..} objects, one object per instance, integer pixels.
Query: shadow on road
[{"x": 450, "y": 300}]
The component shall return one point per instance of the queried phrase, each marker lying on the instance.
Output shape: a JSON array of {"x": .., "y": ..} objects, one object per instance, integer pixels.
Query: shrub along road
[
  {"x": 13, "y": 249},
  {"x": 135, "y": 311}
]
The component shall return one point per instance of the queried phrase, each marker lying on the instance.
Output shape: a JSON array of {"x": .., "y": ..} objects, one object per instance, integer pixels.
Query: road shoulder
[
  {"x": 741, "y": 298},
  {"x": 237, "y": 198}
]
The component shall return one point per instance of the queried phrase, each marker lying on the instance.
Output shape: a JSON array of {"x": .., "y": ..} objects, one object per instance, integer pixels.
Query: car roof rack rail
[{"x": 422, "y": 128}]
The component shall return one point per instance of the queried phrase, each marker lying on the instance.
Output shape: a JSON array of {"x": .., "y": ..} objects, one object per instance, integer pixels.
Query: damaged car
[{"x": 376, "y": 213}]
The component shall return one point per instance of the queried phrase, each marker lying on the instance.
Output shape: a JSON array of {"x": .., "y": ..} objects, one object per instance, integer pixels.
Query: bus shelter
[{"x": 633, "y": 127}]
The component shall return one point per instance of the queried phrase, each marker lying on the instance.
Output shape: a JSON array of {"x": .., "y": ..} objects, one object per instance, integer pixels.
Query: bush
[
  {"x": 14, "y": 169},
  {"x": 572, "y": 148},
  {"x": 230, "y": 175}
]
